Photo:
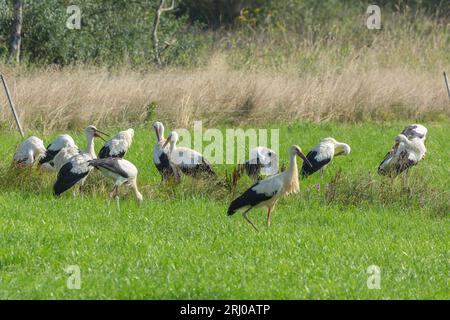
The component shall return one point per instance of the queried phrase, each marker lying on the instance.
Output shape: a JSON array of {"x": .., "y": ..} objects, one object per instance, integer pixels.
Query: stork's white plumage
[
  {"x": 322, "y": 154},
  {"x": 76, "y": 170},
  {"x": 118, "y": 145},
  {"x": 161, "y": 157},
  {"x": 395, "y": 160},
  {"x": 262, "y": 161},
  {"x": 266, "y": 193},
  {"x": 121, "y": 171},
  {"x": 29, "y": 151},
  {"x": 63, "y": 156},
  {"x": 189, "y": 161},
  {"x": 405, "y": 154},
  {"x": 53, "y": 149},
  {"x": 415, "y": 131}
]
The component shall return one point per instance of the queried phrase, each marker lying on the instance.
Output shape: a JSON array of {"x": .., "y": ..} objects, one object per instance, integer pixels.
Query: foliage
[{"x": 119, "y": 32}]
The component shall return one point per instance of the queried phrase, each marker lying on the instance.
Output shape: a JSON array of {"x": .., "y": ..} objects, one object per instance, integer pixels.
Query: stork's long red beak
[
  {"x": 301, "y": 155},
  {"x": 167, "y": 142},
  {"x": 158, "y": 137},
  {"x": 99, "y": 134}
]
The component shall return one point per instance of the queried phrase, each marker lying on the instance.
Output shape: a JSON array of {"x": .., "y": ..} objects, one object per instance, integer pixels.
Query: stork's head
[
  {"x": 159, "y": 129},
  {"x": 342, "y": 149},
  {"x": 92, "y": 132},
  {"x": 172, "y": 138},
  {"x": 130, "y": 132},
  {"x": 330, "y": 139},
  {"x": 296, "y": 151},
  {"x": 400, "y": 138}
]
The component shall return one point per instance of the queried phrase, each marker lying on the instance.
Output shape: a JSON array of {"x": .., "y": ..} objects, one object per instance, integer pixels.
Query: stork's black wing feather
[
  {"x": 110, "y": 164},
  {"x": 382, "y": 171},
  {"x": 201, "y": 169},
  {"x": 166, "y": 168},
  {"x": 49, "y": 156},
  {"x": 403, "y": 163},
  {"x": 104, "y": 152},
  {"x": 248, "y": 198},
  {"x": 315, "y": 165},
  {"x": 67, "y": 178}
]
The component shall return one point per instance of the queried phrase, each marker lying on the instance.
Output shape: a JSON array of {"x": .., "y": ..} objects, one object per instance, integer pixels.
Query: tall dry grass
[{"x": 397, "y": 76}]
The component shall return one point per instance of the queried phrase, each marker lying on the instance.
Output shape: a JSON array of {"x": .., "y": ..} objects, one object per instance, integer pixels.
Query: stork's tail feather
[{"x": 236, "y": 204}]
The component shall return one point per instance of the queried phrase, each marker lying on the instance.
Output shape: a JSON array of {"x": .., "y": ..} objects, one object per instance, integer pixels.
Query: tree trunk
[{"x": 14, "y": 49}]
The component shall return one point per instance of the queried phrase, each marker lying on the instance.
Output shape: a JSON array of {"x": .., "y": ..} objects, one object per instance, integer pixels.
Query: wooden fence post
[{"x": 11, "y": 104}]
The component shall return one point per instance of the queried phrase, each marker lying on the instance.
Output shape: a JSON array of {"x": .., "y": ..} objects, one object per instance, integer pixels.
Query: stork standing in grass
[
  {"x": 121, "y": 171},
  {"x": 161, "y": 157},
  {"x": 403, "y": 155},
  {"x": 118, "y": 145},
  {"x": 54, "y": 148},
  {"x": 266, "y": 193},
  {"x": 262, "y": 161},
  {"x": 29, "y": 151},
  {"x": 322, "y": 154},
  {"x": 406, "y": 154},
  {"x": 189, "y": 161},
  {"x": 76, "y": 170}
]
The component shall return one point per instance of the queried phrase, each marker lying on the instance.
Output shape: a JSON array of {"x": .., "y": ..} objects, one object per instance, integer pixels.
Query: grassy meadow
[{"x": 181, "y": 244}]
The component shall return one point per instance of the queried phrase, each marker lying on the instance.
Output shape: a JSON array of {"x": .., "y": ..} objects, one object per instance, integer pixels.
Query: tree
[
  {"x": 16, "y": 33},
  {"x": 162, "y": 7}
]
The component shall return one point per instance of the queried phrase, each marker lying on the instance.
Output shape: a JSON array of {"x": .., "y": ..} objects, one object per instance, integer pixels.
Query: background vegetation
[{"x": 252, "y": 60}]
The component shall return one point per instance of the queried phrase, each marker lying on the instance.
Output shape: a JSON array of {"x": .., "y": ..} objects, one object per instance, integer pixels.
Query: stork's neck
[
  {"x": 292, "y": 168},
  {"x": 90, "y": 150},
  {"x": 173, "y": 146},
  {"x": 291, "y": 182}
]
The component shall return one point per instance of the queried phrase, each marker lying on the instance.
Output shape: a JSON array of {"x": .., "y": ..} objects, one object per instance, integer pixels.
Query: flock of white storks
[{"x": 73, "y": 165}]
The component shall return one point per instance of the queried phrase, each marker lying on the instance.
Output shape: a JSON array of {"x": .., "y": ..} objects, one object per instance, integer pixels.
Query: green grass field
[{"x": 181, "y": 244}]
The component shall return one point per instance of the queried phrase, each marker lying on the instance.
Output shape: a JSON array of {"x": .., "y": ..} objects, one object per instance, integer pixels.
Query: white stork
[
  {"x": 389, "y": 165},
  {"x": 118, "y": 145},
  {"x": 77, "y": 168},
  {"x": 161, "y": 158},
  {"x": 405, "y": 154},
  {"x": 54, "y": 148},
  {"x": 189, "y": 161},
  {"x": 121, "y": 171},
  {"x": 29, "y": 151},
  {"x": 63, "y": 156},
  {"x": 266, "y": 193},
  {"x": 322, "y": 154},
  {"x": 262, "y": 161}
]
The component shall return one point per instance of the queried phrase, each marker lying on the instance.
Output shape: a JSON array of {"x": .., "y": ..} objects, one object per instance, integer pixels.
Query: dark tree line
[{"x": 117, "y": 31}]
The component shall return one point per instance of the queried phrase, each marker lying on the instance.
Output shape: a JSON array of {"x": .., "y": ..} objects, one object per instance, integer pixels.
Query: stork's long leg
[
  {"x": 117, "y": 198},
  {"x": 110, "y": 195},
  {"x": 248, "y": 220},
  {"x": 268, "y": 217}
]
